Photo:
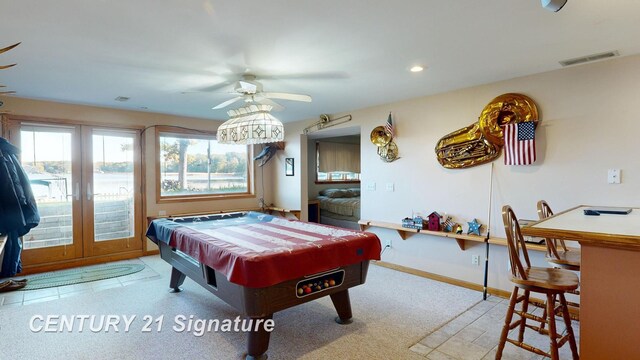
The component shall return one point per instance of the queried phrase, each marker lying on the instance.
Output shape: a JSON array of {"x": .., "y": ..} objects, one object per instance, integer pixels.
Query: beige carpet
[{"x": 392, "y": 311}]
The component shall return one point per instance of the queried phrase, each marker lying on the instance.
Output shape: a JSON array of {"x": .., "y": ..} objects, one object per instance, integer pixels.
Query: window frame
[
  {"x": 197, "y": 134},
  {"x": 317, "y": 181}
]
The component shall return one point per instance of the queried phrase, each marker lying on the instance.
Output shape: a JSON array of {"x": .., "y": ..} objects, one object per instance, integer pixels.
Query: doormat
[{"x": 80, "y": 275}]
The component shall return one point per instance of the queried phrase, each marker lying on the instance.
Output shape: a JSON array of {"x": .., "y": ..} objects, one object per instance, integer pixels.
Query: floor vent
[{"x": 589, "y": 58}]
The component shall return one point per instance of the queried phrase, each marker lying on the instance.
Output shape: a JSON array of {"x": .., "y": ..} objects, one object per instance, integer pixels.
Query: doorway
[{"x": 87, "y": 184}]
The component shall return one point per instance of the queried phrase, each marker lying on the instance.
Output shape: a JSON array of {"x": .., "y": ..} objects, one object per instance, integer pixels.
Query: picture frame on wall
[{"x": 288, "y": 167}]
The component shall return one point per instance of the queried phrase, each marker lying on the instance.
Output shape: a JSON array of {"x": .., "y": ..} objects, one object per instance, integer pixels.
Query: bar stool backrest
[
  {"x": 516, "y": 244},
  {"x": 544, "y": 211}
]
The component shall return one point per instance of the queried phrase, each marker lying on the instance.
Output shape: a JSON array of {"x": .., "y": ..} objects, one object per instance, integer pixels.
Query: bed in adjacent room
[{"x": 340, "y": 207}]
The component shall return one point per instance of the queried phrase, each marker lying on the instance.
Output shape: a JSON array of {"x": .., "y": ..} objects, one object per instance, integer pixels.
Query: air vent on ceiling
[
  {"x": 122, "y": 98},
  {"x": 589, "y": 58}
]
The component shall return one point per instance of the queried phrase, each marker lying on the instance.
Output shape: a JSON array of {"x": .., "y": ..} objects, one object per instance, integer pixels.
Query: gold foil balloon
[{"x": 482, "y": 141}]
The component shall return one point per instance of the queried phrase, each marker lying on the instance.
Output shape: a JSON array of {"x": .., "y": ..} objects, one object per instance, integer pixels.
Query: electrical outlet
[
  {"x": 387, "y": 243},
  {"x": 475, "y": 259},
  {"x": 162, "y": 213}
]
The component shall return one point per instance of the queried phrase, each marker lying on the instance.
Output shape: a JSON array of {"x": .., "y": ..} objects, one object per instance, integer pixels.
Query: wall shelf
[
  {"x": 404, "y": 232},
  {"x": 461, "y": 239}
]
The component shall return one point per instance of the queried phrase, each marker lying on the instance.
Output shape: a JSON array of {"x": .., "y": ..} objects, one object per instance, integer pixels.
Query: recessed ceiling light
[{"x": 416, "y": 68}]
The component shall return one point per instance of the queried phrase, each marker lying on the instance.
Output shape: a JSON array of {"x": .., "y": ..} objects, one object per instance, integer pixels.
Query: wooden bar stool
[
  {"x": 558, "y": 255},
  {"x": 549, "y": 281},
  {"x": 564, "y": 258}
]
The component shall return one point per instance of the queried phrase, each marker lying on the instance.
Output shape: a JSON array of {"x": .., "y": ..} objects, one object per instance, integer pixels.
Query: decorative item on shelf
[
  {"x": 448, "y": 224},
  {"x": 417, "y": 222},
  {"x": 382, "y": 137},
  {"x": 474, "y": 227},
  {"x": 458, "y": 229},
  {"x": 434, "y": 221},
  {"x": 482, "y": 141}
]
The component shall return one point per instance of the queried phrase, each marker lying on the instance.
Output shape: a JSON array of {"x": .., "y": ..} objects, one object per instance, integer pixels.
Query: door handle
[
  {"x": 76, "y": 192},
  {"x": 89, "y": 193}
]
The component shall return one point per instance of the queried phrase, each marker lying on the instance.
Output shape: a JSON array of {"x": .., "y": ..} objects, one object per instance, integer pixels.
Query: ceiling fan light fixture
[
  {"x": 251, "y": 125},
  {"x": 416, "y": 68}
]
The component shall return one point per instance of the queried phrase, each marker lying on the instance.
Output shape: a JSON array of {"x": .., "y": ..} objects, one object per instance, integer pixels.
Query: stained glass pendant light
[{"x": 250, "y": 125}]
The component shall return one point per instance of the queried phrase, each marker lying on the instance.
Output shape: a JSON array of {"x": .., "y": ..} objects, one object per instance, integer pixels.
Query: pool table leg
[
  {"x": 343, "y": 306},
  {"x": 177, "y": 278},
  {"x": 258, "y": 340}
]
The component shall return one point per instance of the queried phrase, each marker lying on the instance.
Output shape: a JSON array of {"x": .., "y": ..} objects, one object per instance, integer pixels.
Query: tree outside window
[{"x": 193, "y": 165}]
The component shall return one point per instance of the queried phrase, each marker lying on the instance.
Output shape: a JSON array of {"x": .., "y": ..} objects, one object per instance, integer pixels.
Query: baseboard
[
  {"x": 151, "y": 252},
  {"x": 465, "y": 284},
  {"x": 67, "y": 264},
  {"x": 442, "y": 278}
]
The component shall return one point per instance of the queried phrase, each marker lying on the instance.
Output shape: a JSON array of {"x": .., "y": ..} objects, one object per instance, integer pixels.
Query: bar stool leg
[
  {"x": 523, "y": 320},
  {"x": 553, "y": 340},
  {"x": 567, "y": 322},
  {"x": 507, "y": 323}
]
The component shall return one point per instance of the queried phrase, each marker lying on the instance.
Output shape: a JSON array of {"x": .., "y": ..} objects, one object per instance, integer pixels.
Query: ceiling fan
[{"x": 250, "y": 90}]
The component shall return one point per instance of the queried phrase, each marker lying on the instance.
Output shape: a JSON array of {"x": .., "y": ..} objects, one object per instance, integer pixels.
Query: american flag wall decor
[{"x": 519, "y": 143}]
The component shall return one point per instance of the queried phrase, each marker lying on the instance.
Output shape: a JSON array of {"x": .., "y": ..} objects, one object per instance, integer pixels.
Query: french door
[{"x": 87, "y": 183}]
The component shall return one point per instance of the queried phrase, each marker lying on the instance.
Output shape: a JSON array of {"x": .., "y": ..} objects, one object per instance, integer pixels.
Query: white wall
[{"x": 589, "y": 123}]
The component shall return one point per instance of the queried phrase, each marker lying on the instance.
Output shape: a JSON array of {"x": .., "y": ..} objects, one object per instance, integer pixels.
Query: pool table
[{"x": 260, "y": 264}]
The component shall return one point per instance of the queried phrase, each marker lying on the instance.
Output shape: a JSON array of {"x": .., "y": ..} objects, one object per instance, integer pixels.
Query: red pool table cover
[{"x": 259, "y": 250}]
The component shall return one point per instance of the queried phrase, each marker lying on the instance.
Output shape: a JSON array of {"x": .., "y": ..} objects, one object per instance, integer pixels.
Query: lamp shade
[{"x": 251, "y": 125}]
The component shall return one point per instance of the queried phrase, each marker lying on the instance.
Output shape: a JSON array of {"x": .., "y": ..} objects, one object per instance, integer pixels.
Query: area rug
[{"x": 80, "y": 275}]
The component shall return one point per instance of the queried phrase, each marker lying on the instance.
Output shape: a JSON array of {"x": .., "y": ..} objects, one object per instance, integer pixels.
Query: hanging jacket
[{"x": 18, "y": 209}]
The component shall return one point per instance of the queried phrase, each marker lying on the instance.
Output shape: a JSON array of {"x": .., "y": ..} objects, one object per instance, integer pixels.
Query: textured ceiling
[{"x": 345, "y": 54}]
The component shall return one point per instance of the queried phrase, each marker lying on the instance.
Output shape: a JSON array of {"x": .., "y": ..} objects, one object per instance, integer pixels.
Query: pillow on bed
[
  {"x": 354, "y": 191},
  {"x": 340, "y": 193},
  {"x": 335, "y": 193}
]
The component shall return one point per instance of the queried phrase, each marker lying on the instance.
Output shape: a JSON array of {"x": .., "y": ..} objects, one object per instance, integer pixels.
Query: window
[
  {"x": 337, "y": 162},
  {"x": 194, "y": 165}
]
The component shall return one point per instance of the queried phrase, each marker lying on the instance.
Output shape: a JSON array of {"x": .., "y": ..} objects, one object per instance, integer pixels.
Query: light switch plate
[
  {"x": 613, "y": 176},
  {"x": 390, "y": 187},
  {"x": 371, "y": 186}
]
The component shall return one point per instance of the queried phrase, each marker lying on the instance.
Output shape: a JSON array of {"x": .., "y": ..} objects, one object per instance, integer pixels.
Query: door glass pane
[
  {"x": 113, "y": 182},
  {"x": 46, "y": 158}
]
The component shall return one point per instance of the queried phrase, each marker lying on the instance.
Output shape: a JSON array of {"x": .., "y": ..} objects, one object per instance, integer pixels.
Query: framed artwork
[{"x": 288, "y": 166}]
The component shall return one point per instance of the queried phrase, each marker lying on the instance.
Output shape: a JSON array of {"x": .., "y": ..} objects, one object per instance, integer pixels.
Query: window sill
[
  {"x": 339, "y": 182},
  {"x": 173, "y": 199}
]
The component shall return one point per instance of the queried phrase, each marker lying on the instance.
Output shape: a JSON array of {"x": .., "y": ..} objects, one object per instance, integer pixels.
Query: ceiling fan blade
[
  {"x": 8, "y": 48},
  {"x": 274, "y": 105},
  {"x": 287, "y": 96},
  {"x": 227, "y": 103},
  {"x": 329, "y": 75},
  {"x": 210, "y": 88},
  {"x": 6, "y": 66}
]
